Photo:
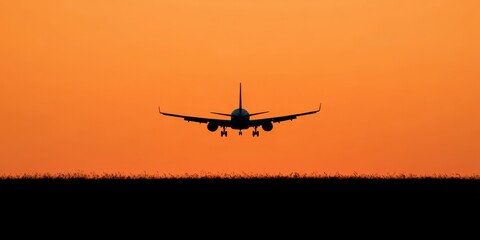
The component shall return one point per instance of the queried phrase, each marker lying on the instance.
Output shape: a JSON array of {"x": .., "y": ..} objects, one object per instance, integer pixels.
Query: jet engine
[
  {"x": 267, "y": 126},
  {"x": 212, "y": 127}
]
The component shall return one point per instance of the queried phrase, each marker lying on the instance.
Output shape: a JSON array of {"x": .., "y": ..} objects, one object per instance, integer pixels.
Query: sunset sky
[{"x": 81, "y": 82}]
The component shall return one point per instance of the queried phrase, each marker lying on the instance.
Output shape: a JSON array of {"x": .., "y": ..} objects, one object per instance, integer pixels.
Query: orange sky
[{"x": 80, "y": 83}]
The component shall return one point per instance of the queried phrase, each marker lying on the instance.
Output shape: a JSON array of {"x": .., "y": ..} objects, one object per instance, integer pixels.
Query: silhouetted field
[
  {"x": 291, "y": 188},
  {"x": 347, "y": 200}
]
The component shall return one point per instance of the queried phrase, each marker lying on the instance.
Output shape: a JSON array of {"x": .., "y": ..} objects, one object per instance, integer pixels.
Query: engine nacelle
[
  {"x": 267, "y": 126},
  {"x": 212, "y": 127}
]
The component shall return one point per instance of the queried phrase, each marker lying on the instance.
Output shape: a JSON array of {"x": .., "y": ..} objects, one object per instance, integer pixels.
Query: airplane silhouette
[{"x": 240, "y": 119}]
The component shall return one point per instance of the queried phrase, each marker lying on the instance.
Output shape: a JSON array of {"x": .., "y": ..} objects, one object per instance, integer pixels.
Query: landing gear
[
  {"x": 255, "y": 132},
  {"x": 240, "y": 133},
  {"x": 223, "y": 133}
]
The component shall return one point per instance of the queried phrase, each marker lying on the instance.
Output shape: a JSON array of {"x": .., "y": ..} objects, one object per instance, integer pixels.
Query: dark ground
[
  {"x": 315, "y": 202},
  {"x": 304, "y": 191}
]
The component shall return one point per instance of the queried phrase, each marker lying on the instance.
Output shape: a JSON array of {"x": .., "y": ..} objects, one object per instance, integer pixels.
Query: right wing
[
  {"x": 219, "y": 122},
  {"x": 258, "y": 122}
]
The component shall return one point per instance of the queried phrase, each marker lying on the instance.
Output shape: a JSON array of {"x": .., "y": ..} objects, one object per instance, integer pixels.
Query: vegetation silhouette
[
  {"x": 225, "y": 176},
  {"x": 228, "y": 196},
  {"x": 443, "y": 187}
]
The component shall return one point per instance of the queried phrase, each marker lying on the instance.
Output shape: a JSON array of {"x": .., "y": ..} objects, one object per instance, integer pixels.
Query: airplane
[{"x": 240, "y": 119}]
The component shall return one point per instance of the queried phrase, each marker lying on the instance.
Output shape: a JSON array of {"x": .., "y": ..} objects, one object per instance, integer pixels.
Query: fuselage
[{"x": 240, "y": 119}]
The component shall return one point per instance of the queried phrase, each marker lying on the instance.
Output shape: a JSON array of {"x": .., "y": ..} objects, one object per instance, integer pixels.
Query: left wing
[
  {"x": 258, "y": 122},
  {"x": 219, "y": 122}
]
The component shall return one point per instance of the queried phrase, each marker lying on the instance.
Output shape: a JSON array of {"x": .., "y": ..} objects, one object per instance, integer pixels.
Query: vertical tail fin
[{"x": 240, "y": 101}]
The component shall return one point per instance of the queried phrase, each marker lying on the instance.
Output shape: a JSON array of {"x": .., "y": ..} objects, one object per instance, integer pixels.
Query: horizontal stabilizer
[
  {"x": 253, "y": 114},
  {"x": 223, "y": 114}
]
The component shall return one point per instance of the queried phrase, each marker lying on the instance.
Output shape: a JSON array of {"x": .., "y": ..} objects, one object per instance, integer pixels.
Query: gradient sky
[{"x": 81, "y": 81}]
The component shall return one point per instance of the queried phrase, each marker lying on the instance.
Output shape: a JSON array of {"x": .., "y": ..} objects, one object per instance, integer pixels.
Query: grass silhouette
[
  {"x": 227, "y": 196},
  {"x": 243, "y": 175},
  {"x": 328, "y": 186}
]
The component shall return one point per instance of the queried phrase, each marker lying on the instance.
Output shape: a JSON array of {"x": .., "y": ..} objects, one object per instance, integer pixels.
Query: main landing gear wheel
[
  {"x": 255, "y": 132},
  {"x": 240, "y": 133},
  {"x": 223, "y": 133}
]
